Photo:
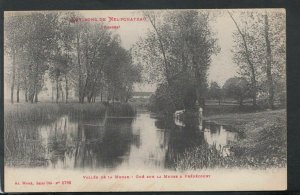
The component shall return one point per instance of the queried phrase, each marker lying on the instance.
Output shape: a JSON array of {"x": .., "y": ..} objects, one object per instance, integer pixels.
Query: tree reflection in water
[
  {"x": 24, "y": 146},
  {"x": 144, "y": 142},
  {"x": 103, "y": 146},
  {"x": 182, "y": 138}
]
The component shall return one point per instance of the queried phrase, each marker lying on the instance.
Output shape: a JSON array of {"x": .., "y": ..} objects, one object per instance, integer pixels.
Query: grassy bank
[
  {"x": 257, "y": 119},
  {"x": 50, "y": 111},
  {"x": 215, "y": 109},
  {"x": 263, "y": 144}
]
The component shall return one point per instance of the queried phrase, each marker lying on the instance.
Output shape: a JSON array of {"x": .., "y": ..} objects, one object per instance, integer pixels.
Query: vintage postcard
[{"x": 145, "y": 100}]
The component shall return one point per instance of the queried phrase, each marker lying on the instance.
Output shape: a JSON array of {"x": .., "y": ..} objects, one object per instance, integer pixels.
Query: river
[{"x": 143, "y": 142}]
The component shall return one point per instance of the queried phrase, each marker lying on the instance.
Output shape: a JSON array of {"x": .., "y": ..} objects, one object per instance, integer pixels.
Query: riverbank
[
  {"x": 50, "y": 111},
  {"x": 263, "y": 141},
  {"x": 239, "y": 121}
]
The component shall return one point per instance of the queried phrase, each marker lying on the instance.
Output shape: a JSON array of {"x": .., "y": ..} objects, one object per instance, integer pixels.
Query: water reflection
[
  {"x": 217, "y": 136},
  {"x": 143, "y": 142},
  {"x": 182, "y": 139}
]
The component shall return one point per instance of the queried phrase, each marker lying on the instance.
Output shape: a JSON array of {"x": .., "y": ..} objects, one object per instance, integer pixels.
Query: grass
[
  {"x": 200, "y": 157},
  {"x": 119, "y": 110},
  {"x": 51, "y": 111},
  {"x": 214, "y": 109},
  {"x": 30, "y": 112},
  {"x": 239, "y": 120},
  {"x": 263, "y": 145},
  {"x": 83, "y": 111}
]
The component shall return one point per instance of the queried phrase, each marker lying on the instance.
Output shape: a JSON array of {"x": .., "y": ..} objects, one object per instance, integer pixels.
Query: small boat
[{"x": 178, "y": 116}]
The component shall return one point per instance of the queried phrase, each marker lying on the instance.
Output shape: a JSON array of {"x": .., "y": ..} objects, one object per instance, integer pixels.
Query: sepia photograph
[{"x": 145, "y": 100}]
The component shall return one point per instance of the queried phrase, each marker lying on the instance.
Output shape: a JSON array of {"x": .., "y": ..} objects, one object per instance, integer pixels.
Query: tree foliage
[
  {"x": 215, "y": 91},
  {"x": 177, "y": 53},
  {"x": 237, "y": 88},
  {"x": 259, "y": 51},
  {"x": 79, "y": 56}
]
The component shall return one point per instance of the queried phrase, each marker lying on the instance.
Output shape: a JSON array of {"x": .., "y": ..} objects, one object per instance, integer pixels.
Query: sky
[{"x": 222, "y": 66}]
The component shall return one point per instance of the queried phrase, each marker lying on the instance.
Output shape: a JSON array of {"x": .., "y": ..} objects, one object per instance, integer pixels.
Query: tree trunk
[
  {"x": 269, "y": 65},
  {"x": 113, "y": 97},
  {"x": 89, "y": 98},
  {"x": 81, "y": 99},
  {"x": 26, "y": 95},
  {"x": 57, "y": 89},
  {"x": 18, "y": 93},
  {"x": 26, "y": 90},
  {"x": 31, "y": 98},
  {"x": 80, "y": 90},
  {"x": 35, "y": 92},
  {"x": 18, "y": 88},
  {"x": 52, "y": 92},
  {"x": 12, "y": 87},
  {"x": 62, "y": 92},
  {"x": 200, "y": 83},
  {"x": 253, "y": 86},
  {"x": 67, "y": 88},
  {"x": 31, "y": 93},
  {"x": 36, "y": 99}
]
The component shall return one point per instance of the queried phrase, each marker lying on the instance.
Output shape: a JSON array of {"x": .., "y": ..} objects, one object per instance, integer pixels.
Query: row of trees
[
  {"x": 239, "y": 89},
  {"x": 177, "y": 53},
  {"x": 83, "y": 56},
  {"x": 260, "y": 52},
  {"x": 236, "y": 88}
]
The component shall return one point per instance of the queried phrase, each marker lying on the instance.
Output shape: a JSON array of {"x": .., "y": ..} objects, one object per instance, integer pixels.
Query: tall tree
[
  {"x": 12, "y": 43},
  {"x": 277, "y": 38},
  {"x": 245, "y": 56},
  {"x": 159, "y": 37},
  {"x": 269, "y": 63},
  {"x": 215, "y": 91},
  {"x": 273, "y": 34},
  {"x": 178, "y": 52},
  {"x": 39, "y": 45},
  {"x": 202, "y": 46},
  {"x": 60, "y": 60}
]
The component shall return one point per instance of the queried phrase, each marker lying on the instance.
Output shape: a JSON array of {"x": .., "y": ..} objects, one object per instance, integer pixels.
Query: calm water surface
[{"x": 144, "y": 142}]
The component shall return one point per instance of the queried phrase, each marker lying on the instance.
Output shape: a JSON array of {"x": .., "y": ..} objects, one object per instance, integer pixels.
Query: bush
[{"x": 121, "y": 110}]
